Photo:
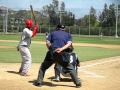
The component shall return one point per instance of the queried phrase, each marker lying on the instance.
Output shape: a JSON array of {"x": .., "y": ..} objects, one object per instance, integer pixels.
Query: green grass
[
  {"x": 97, "y": 40},
  {"x": 9, "y": 36},
  {"x": 80, "y": 39},
  {"x": 93, "y": 53},
  {"x": 11, "y": 55},
  {"x": 40, "y": 37},
  {"x": 38, "y": 52}
]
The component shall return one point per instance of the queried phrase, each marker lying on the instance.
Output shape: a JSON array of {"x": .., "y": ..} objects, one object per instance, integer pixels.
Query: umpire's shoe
[
  {"x": 78, "y": 85},
  {"x": 38, "y": 84}
]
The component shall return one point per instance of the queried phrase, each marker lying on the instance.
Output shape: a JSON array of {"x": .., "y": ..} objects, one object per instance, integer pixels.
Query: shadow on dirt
[
  {"x": 62, "y": 79},
  {"x": 13, "y": 72},
  {"x": 44, "y": 83},
  {"x": 50, "y": 84}
]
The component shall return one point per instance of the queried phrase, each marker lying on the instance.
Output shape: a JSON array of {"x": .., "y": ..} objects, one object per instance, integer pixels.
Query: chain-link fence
[{"x": 77, "y": 21}]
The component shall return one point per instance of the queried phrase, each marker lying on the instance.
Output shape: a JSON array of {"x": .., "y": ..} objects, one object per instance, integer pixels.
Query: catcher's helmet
[{"x": 28, "y": 23}]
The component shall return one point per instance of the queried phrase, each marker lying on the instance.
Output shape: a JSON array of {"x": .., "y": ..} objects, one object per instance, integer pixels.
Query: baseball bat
[{"x": 34, "y": 18}]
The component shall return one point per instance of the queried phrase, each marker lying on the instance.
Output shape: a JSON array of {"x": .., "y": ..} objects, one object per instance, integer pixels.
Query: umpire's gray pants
[{"x": 26, "y": 59}]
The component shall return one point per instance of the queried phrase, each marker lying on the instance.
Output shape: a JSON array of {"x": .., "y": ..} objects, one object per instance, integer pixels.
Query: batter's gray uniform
[{"x": 23, "y": 46}]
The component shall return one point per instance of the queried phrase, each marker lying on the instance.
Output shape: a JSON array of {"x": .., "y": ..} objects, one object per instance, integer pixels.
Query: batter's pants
[{"x": 26, "y": 59}]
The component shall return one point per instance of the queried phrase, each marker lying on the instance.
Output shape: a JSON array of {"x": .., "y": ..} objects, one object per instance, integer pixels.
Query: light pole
[
  {"x": 60, "y": 2},
  {"x": 116, "y": 34},
  {"x": 5, "y": 18},
  {"x": 6, "y": 27},
  {"x": 48, "y": 22},
  {"x": 89, "y": 23}
]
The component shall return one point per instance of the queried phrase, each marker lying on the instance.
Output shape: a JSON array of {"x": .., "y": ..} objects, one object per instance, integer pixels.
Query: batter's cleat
[
  {"x": 20, "y": 71},
  {"x": 78, "y": 85},
  {"x": 38, "y": 84},
  {"x": 24, "y": 74}
]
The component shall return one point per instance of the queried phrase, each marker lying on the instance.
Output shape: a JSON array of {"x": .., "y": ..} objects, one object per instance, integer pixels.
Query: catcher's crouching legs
[{"x": 57, "y": 70}]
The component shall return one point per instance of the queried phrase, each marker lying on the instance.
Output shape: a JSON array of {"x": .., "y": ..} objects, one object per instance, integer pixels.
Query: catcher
[{"x": 59, "y": 69}]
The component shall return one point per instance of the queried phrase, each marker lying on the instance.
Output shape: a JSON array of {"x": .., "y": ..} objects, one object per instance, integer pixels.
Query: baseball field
[{"x": 99, "y": 70}]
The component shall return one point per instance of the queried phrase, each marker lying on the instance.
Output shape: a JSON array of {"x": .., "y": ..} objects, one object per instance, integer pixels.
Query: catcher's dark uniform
[
  {"x": 57, "y": 39},
  {"x": 59, "y": 69}
]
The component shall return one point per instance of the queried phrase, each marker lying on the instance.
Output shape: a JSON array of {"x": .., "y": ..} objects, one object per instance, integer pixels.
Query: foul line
[
  {"x": 93, "y": 74},
  {"x": 98, "y": 63}
]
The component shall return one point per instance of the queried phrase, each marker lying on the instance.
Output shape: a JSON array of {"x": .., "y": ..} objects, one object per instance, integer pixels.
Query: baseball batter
[{"x": 24, "y": 45}]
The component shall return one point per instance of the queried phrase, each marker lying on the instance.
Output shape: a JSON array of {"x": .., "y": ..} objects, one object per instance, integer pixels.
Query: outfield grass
[
  {"x": 97, "y": 40},
  {"x": 38, "y": 53},
  {"x": 79, "y": 39},
  {"x": 93, "y": 53},
  {"x": 38, "y": 50}
]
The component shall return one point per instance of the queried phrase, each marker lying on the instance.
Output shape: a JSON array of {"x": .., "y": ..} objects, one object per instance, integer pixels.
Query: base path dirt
[
  {"x": 5, "y": 47},
  {"x": 74, "y": 44},
  {"x": 102, "y": 74}
]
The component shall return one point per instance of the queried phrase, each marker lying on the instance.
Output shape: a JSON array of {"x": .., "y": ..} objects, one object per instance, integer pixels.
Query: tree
[
  {"x": 108, "y": 18},
  {"x": 93, "y": 16},
  {"x": 84, "y": 22},
  {"x": 52, "y": 10},
  {"x": 62, "y": 6},
  {"x": 69, "y": 19},
  {"x": 103, "y": 18},
  {"x": 111, "y": 17}
]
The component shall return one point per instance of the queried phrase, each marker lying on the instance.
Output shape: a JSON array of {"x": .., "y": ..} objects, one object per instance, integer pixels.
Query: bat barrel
[{"x": 33, "y": 13}]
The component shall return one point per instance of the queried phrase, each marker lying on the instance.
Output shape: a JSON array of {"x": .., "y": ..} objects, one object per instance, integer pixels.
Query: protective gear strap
[{"x": 35, "y": 30}]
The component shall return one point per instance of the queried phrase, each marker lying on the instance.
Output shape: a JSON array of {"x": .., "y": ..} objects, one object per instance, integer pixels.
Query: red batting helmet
[{"x": 28, "y": 23}]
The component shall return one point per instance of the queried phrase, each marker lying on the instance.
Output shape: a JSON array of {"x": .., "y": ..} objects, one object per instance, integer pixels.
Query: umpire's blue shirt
[{"x": 59, "y": 38}]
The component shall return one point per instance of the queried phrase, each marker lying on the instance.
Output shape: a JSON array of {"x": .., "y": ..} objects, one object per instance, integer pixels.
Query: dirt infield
[
  {"x": 6, "y": 47},
  {"x": 74, "y": 44},
  {"x": 103, "y": 74}
]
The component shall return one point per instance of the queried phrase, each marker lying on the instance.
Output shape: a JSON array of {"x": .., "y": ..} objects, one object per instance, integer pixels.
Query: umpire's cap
[{"x": 59, "y": 26}]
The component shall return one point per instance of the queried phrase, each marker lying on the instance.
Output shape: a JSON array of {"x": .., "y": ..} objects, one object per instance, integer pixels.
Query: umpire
[{"x": 57, "y": 42}]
